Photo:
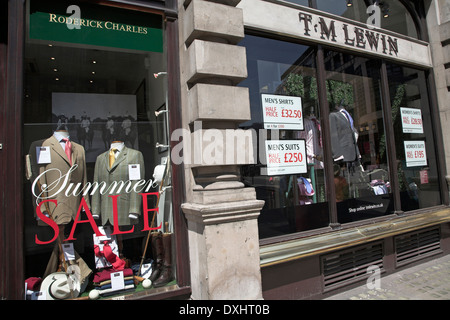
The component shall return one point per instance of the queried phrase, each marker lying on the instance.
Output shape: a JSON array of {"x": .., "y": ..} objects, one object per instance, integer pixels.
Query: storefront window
[
  {"x": 416, "y": 154},
  {"x": 305, "y": 3},
  {"x": 386, "y": 14},
  {"x": 98, "y": 216},
  {"x": 361, "y": 173},
  {"x": 289, "y": 175}
]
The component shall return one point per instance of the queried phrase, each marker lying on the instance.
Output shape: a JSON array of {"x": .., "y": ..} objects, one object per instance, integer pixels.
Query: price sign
[
  {"x": 286, "y": 157},
  {"x": 415, "y": 153},
  {"x": 411, "y": 120},
  {"x": 282, "y": 112}
]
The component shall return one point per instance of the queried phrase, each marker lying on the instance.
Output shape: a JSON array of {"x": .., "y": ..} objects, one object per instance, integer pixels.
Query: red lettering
[
  {"x": 146, "y": 210},
  {"x": 90, "y": 219},
  {"x": 116, "y": 217},
  {"x": 271, "y": 112},
  {"x": 48, "y": 221}
]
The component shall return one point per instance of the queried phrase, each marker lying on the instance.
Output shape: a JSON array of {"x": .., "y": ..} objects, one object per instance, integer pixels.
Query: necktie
[
  {"x": 68, "y": 149},
  {"x": 117, "y": 263},
  {"x": 348, "y": 116},
  {"x": 112, "y": 157},
  {"x": 317, "y": 123}
]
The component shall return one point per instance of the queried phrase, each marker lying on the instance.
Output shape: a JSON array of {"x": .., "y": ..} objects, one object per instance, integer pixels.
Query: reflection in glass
[
  {"x": 104, "y": 99},
  {"x": 293, "y": 202},
  {"x": 361, "y": 173},
  {"x": 417, "y": 166},
  {"x": 389, "y": 14}
]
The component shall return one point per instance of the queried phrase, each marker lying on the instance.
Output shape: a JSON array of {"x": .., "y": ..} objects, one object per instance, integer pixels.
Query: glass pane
[
  {"x": 416, "y": 154},
  {"x": 301, "y": 2},
  {"x": 389, "y": 14},
  {"x": 282, "y": 76},
  {"x": 101, "y": 98},
  {"x": 357, "y": 137}
]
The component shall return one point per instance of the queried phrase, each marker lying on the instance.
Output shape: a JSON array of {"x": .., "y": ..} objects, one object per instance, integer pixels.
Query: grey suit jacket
[
  {"x": 343, "y": 140},
  {"x": 102, "y": 204},
  {"x": 54, "y": 177}
]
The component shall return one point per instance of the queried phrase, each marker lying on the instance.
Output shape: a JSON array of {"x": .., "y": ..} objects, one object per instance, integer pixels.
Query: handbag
[{"x": 305, "y": 187}]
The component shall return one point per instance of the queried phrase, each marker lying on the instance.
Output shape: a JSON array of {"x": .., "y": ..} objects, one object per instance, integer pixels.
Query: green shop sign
[{"x": 95, "y": 25}]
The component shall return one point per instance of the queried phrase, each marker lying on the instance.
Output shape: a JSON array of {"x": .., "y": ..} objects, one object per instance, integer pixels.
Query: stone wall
[{"x": 221, "y": 212}]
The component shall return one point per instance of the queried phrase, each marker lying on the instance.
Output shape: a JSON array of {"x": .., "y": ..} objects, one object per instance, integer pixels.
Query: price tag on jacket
[
  {"x": 69, "y": 252},
  {"x": 43, "y": 155},
  {"x": 134, "y": 171}
]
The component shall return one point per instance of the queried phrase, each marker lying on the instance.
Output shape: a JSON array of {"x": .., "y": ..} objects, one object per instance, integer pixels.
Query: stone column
[
  {"x": 221, "y": 212},
  {"x": 438, "y": 22}
]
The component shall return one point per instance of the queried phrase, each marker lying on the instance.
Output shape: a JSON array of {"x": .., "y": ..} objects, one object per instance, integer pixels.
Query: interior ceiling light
[{"x": 349, "y": 3}]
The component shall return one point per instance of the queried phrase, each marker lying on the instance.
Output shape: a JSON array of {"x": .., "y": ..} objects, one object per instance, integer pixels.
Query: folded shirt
[
  {"x": 109, "y": 285},
  {"x": 33, "y": 283},
  {"x": 105, "y": 274}
]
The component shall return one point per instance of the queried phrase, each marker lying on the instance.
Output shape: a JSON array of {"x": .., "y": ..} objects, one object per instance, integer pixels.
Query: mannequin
[
  {"x": 343, "y": 135},
  {"x": 344, "y": 146},
  {"x": 46, "y": 171},
  {"x": 128, "y": 204},
  {"x": 56, "y": 164}
]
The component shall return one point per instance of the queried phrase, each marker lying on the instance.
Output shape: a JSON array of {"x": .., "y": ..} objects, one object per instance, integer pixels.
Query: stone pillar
[
  {"x": 438, "y": 22},
  {"x": 221, "y": 212}
]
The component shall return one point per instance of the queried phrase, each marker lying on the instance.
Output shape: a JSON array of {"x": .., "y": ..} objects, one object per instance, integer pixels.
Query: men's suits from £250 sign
[
  {"x": 53, "y": 179},
  {"x": 343, "y": 139},
  {"x": 127, "y": 203}
]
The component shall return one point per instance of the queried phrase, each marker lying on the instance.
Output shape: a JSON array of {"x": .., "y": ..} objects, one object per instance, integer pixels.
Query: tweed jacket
[
  {"x": 127, "y": 202},
  {"x": 343, "y": 139},
  {"x": 53, "y": 175}
]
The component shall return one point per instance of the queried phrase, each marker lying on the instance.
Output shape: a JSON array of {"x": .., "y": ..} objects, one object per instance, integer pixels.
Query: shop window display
[
  {"x": 290, "y": 174},
  {"x": 414, "y": 142},
  {"x": 98, "y": 219},
  {"x": 361, "y": 173},
  {"x": 285, "y": 117}
]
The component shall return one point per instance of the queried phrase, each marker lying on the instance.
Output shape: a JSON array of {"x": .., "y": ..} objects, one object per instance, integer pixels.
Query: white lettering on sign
[{"x": 286, "y": 157}]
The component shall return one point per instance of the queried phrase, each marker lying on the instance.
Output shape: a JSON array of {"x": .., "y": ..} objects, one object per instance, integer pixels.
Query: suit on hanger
[
  {"x": 343, "y": 139},
  {"x": 127, "y": 203},
  {"x": 54, "y": 177}
]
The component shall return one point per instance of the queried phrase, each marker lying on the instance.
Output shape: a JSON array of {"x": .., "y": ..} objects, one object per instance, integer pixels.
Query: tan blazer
[
  {"x": 67, "y": 206},
  {"x": 127, "y": 203}
]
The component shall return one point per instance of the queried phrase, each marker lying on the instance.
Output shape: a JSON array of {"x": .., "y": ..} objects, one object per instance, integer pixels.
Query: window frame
[
  {"x": 390, "y": 143},
  {"x": 12, "y": 173}
]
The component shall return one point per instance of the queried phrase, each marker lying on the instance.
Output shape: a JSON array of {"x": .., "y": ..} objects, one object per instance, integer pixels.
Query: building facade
[{"x": 233, "y": 149}]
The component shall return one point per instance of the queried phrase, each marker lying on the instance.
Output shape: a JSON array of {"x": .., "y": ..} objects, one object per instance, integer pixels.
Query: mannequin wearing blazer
[
  {"x": 343, "y": 136},
  {"x": 129, "y": 204},
  {"x": 67, "y": 205}
]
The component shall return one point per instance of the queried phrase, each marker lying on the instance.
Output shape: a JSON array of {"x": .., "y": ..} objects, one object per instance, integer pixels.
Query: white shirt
[{"x": 59, "y": 136}]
